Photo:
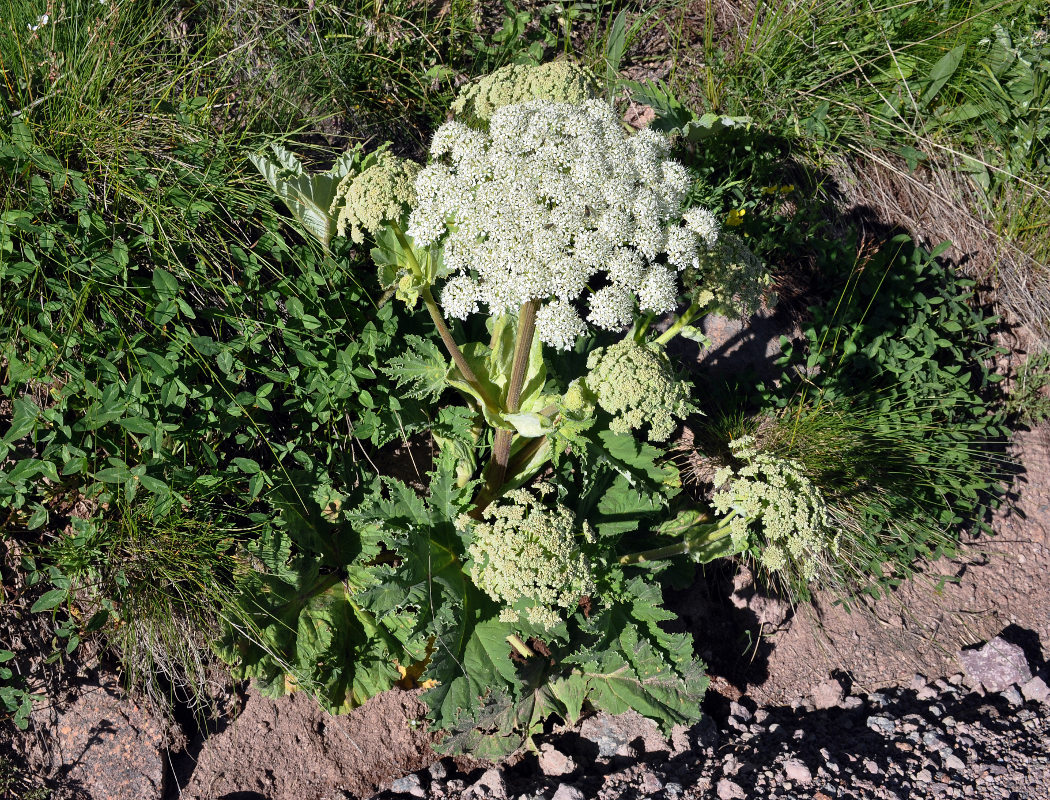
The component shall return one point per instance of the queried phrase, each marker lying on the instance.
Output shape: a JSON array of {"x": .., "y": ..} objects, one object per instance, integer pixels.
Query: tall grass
[{"x": 939, "y": 112}]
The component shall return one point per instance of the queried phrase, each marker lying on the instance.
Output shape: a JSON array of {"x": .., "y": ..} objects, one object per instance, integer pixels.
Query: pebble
[
  {"x": 410, "y": 784},
  {"x": 728, "y": 790},
  {"x": 649, "y": 783},
  {"x": 553, "y": 763},
  {"x": 996, "y": 665},
  {"x": 828, "y": 694},
  {"x": 881, "y": 724},
  {"x": 954, "y": 762},
  {"x": 739, "y": 711},
  {"x": 797, "y": 771},
  {"x": 1012, "y": 696},
  {"x": 1036, "y": 689},
  {"x": 672, "y": 791},
  {"x": 566, "y": 792},
  {"x": 490, "y": 784}
]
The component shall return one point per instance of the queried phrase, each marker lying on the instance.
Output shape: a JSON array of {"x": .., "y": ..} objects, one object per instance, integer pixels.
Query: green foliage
[
  {"x": 1029, "y": 400},
  {"x": 152, "y": 585},
  {"x": 308, "y": 196},
  {"x": 15, "y": 702},
  {"x": 17, "y": 783},
  {"x": 160, "y": 377},
  {"x": 891, "y": 407}
]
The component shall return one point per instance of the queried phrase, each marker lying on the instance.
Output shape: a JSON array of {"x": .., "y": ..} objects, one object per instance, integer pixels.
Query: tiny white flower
[
  {"x": 550, "y": 197},
  {"x": 459, "y": 298},
  {"x": 658, "y": 292},
  {"x": 612, "y": 308},
  {"x": 558, "y": 325},
  {"x": 703, "y": 222}
]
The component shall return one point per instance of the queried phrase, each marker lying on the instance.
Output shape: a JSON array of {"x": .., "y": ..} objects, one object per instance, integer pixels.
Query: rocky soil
[{"x": 946, "y": 739}]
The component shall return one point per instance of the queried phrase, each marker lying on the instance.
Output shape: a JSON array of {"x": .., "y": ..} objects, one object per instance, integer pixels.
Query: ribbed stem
[
  {"x": 656, "y": 554},
  {"x": 502, "y": 441},
  {"x": 514, "y": 641},
  {"x": 681, "y": 322}
]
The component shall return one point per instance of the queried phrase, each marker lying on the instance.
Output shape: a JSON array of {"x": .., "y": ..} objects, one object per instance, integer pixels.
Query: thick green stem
[
  {"x": 702, "y": 540},
  {"x": 656, "y": 554},
  {"x": 453, "y": 348},
  {"x": 497, "y": 469},
  {"x": 687, "y": 316},
  {"x": 520, "y": 646}
]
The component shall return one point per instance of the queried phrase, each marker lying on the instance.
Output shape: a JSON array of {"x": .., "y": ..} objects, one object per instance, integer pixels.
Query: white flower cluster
[
  {"x": 772, "y": 498},
  {"x": 527, "y": 556},
  {"x": 737, "y": 278},
  {"x": 552, "y": 197}
]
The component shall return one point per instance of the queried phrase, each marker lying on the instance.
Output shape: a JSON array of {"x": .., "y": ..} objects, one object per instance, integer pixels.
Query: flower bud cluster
[
  {"x": 775, "y": 508},
  {"x": 636, "y": 384},
  {"x": 738, "y": 279},
  {"x": 379, "y": 193},
  {"x": 553, "y": 198},
  {"x": 528, "y": 557},
  {"x": 560, "y": 81}
]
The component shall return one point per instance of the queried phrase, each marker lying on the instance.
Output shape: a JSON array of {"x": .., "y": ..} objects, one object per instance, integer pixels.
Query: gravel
[{"x": 942, "y": 740}]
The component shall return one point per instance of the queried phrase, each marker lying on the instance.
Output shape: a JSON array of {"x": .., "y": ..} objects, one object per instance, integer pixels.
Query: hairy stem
[
  {"x": 703, "y": 540},
  {"x": 497, "y": 469},
  {"x": 453, "y": 348},
  {"x": 439, "y": 321}
]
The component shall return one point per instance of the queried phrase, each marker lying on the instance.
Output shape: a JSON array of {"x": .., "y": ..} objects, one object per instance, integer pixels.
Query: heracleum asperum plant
[{"x": 541, "y": 212}]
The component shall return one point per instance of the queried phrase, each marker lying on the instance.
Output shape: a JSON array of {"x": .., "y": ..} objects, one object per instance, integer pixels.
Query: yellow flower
[{"x": 735, "y": 217}]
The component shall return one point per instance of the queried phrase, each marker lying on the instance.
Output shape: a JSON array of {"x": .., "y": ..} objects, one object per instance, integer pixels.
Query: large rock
[
  {"x": 108, "y": 746},
  {"x": 996, "y": 666},
  {"x": 624, "y": 734}
]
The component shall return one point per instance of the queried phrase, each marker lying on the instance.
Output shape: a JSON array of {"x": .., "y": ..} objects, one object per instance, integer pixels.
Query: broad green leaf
[
  {"x": 49, "y": 600},
  {"x": 940, "y": 74}
]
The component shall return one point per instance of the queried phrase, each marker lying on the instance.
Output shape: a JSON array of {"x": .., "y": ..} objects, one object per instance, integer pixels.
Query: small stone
[
  {"x": 617, "y": 735},
  {"x": 554, "y": 763},
  {"x": 566, "y": 792},
  {"x": 923, "y": 776},
  {"x": 491, "y": 784},
  {"x": 881, "y": 724},
  {"x": 649, "y": 783},
  {"x": 828, "y": 694},
  {"x": 797, "y": 771},
  {"x": 849, "y": 704},
  {"x": 728, "y": 790},
  {"x": 1012, "y": 696},
  {"x": 996, "y": 666},
  {"x": 956, "y": 679},
  {"x": 1036, "y": 690},
  {"x": 739, "y": 711},
  {"x": 926, "y": 693},
  {"x": 672, "y": 791},
  {"x": 917, "y": 682},
  {"x": 954, "y": 762},
  {"x": 871, "y": 766},
  {"x": 409, "y": 784},
  {"x": 437, "y": 771}
]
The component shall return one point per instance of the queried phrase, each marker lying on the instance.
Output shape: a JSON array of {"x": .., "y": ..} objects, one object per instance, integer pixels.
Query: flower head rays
[{"x": 555, "y": 200}]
